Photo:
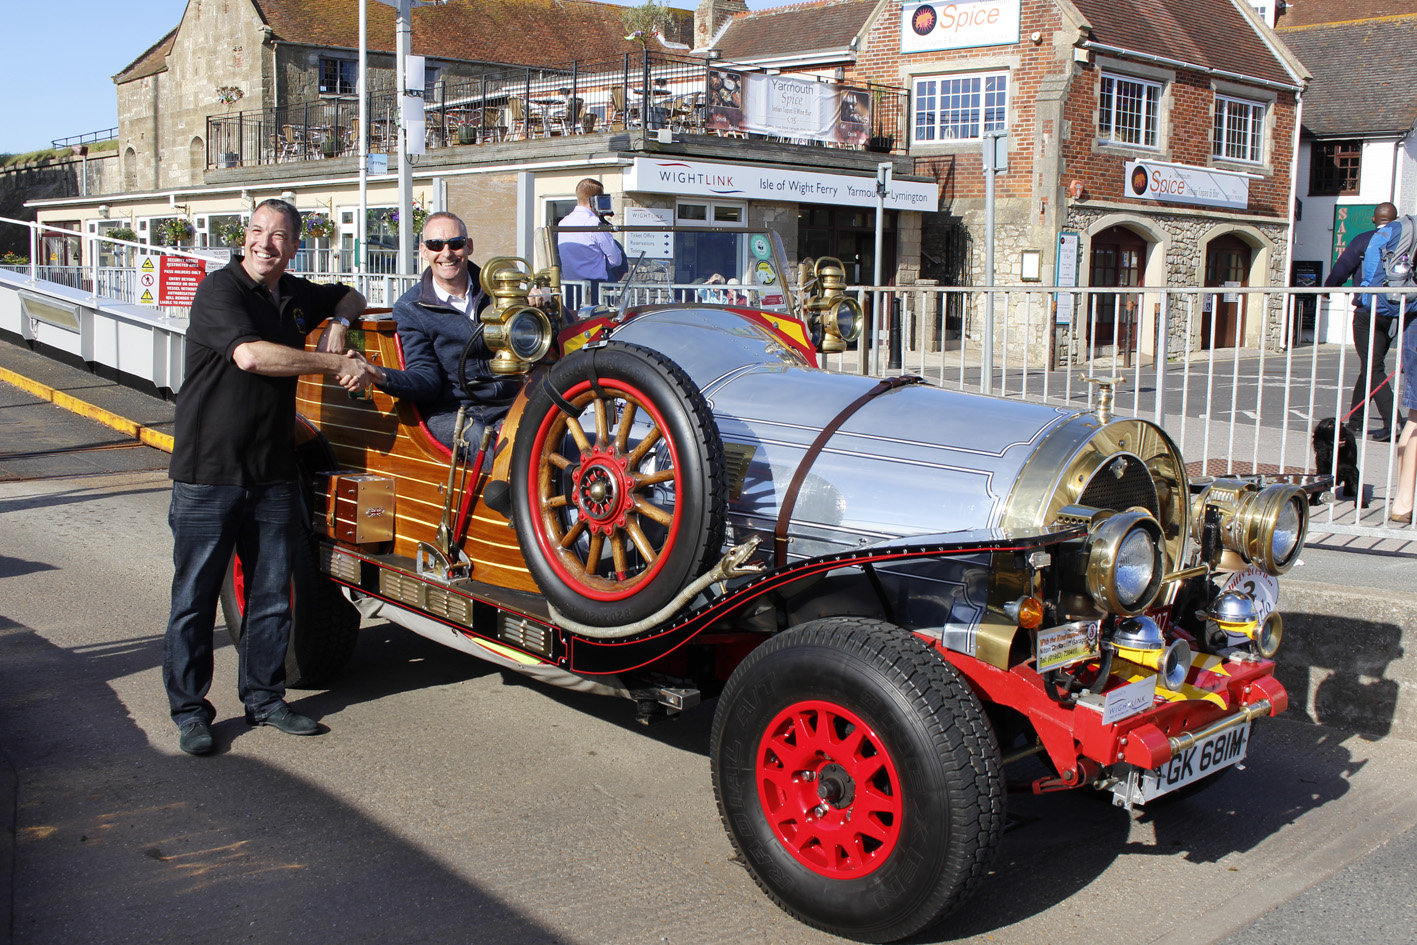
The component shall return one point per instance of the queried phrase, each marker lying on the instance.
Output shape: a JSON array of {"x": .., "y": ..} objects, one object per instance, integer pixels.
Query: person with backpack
[
  {"x": 1348, "y": 264},
  {"x": 1388, "y": 261}
]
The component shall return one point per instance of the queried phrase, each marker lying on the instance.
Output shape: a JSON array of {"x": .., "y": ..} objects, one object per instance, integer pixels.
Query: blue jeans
[{"x": 208, "y": 523}]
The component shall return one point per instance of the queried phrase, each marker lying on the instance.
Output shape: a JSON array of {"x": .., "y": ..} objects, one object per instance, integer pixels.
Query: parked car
[{"x": 892, "y": 590}]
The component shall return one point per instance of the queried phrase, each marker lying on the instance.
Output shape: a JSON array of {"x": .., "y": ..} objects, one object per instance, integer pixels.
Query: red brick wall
[
  {"x": 1188, "y": 141},
  {"x": 960, "y": 171}
]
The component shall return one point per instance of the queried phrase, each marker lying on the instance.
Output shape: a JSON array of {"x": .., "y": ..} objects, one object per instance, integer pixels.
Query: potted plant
[
  {"x": 231, "y": 234},
  {"x": 420, "y": 217},
  {"x": 318, "y": 225},
  {"x": 879, "y": 140},
  {"x": 123, "y": 233},
  {"x": 172, "y": 231},
  {"x": 229, "y": 95}
]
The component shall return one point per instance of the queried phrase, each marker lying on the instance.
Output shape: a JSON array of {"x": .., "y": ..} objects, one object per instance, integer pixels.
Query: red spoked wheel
[
  {"x": 829, "y": 789},
  {"x": 858, "y": 777},
  {"x": 608, "y": 513},
  {"x": 618, "y": 486}
]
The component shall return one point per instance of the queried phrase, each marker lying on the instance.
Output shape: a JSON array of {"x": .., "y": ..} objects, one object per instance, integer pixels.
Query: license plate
[{"x": 1220, "y": 750}]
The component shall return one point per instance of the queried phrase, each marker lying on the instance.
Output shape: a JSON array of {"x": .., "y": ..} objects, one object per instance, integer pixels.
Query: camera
[{"x": 600, "y": 203}]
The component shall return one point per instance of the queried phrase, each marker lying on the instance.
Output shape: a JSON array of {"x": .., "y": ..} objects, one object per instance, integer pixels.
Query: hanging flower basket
[
  {"x": 318, "y": 225},
  {"x": 173, "y": 231},
  {"x": 420, "y": 217},
  {"x": 231, "y": 234}
]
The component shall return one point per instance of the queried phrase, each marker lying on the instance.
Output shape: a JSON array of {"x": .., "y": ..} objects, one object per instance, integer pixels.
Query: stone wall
[{"x": 44, "y": 181}]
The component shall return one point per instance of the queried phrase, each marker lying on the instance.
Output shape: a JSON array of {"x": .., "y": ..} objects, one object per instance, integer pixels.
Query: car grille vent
[
  {"x": 341, "y": 567},
  {"x": 523, "y": 634},
  {"x": 1122, "y": 483},
  {"x": 407, "y": 589}
]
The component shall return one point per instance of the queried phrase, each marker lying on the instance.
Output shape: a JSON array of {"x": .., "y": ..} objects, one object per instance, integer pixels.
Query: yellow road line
[{"x": 137, "y": 431}]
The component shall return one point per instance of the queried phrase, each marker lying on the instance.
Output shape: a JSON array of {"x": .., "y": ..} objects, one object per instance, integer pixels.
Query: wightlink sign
[
  {"x": 737, "y": 182},
  {"x": 1182, "y": 183},
  {"x": 962, "y": 24}
]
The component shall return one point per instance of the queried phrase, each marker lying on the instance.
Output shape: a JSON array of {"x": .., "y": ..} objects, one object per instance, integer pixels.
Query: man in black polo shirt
[{"x": 233, "y": 468}]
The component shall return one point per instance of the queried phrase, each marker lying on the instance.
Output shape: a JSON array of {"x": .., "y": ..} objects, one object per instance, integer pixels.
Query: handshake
[{"x": 356, "y": 373}]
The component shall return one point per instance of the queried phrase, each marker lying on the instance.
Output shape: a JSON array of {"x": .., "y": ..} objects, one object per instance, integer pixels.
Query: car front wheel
[{"x": 858, "y": 778}]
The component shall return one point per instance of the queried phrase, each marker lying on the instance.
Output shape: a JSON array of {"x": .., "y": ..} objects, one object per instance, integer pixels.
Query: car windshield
[{"x": 667, "y": 263}]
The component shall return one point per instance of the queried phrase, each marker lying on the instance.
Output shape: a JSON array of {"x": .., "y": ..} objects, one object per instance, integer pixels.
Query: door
[
  {"x": 1227, "y": 266},
  {"x": 1117, "y": 255}
]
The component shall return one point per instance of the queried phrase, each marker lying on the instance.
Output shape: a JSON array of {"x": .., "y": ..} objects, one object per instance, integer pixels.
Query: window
[
  {"x": 1334, "y": 168},
  {"x": 339, "y": 76},
  {"x": 1127, "y": 111},
  {"x": 695, "y": 213},
  {"x": 960, "y": 107},
  {"x": 1239, "y": 130}
]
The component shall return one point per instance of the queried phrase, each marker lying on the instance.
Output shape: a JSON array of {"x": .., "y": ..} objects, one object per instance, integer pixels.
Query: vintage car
[{"x": 892, "y": 590}]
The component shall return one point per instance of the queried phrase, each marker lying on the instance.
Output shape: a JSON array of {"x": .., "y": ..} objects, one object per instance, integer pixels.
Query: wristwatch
[{"x": 339, "y": 320}]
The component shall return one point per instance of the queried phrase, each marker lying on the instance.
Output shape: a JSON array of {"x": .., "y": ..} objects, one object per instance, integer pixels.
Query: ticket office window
[{"x": 699, "y": 255}]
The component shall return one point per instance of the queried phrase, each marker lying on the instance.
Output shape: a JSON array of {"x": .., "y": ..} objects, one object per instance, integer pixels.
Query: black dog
[{"x": 1347, "y": 475}]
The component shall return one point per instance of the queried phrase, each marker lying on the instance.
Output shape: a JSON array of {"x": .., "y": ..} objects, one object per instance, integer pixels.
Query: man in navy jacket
[
  {"x": 1349, "y": 263},
  {"x": 435, "y": 319}
]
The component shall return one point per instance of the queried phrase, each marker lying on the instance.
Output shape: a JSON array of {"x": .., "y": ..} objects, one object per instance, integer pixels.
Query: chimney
[{"x": 712, "y": 14}]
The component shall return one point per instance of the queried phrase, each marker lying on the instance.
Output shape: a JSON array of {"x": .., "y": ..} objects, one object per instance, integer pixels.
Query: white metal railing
[{"x": 1239, "y": 377}]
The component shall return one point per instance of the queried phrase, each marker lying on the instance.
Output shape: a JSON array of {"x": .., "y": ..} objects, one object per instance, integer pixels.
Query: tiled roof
[
  {"x": 797, "y": 29},
  {"x": 152, "y": 61},
  {"x": 1210, "y": 33},
  {"x": 1309, "y": 12},
  {"x": 520, "y": 32},
  {"x": 1365, "y": 76}
]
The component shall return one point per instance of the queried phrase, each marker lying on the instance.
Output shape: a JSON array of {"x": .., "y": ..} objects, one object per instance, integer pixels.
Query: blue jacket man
[
  {"x": 435, "y": 320},
  {"x": 1368, "y": 329}
]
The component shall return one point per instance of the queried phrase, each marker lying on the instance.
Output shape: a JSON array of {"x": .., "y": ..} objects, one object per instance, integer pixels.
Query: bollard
[{"x": 894, "y": 360}]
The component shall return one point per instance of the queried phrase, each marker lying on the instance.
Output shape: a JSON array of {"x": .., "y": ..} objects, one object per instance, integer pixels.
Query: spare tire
[{"x": 619, "y": 493}]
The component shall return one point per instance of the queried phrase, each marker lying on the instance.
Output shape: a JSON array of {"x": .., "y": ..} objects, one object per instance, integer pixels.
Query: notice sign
[
  {"x": 178, "y": 280},
  {"x": 653, "y": 245},
  {"x": 963, "y": 24},
  {"x": 147, "y": 281},
  {"x": 1182, "y": 183}
]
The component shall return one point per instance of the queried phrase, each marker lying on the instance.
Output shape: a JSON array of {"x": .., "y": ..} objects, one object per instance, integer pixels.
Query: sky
[{"x": 62, "y": 55}]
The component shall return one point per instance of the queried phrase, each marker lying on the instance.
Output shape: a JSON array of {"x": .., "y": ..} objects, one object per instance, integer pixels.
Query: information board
[
  {"x": 147, "y": 281},
  {"x": 178, "y": 279}
]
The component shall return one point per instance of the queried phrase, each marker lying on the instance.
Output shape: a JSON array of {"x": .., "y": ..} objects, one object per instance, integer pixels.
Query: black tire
[
  {"x": 615, "y": 520},
  {"x": 324, "y": 626},
  {"x": 925, "y": 778}
]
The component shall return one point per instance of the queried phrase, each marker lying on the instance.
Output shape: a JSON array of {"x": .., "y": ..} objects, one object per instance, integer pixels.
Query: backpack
[
  {"x": 1397, "y": 255},
  {"x": 1389, "y": 261}
]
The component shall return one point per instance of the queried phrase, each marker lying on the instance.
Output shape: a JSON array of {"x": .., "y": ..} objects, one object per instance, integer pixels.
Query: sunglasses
[{"x": 453, "y": 244}]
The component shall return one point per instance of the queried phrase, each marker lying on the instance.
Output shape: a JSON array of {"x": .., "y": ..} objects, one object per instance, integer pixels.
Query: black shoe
[
  {"x": 196, "y": 738},
  {"x": 287, "y": 721},
  {"x": 1381, "y": 434}
]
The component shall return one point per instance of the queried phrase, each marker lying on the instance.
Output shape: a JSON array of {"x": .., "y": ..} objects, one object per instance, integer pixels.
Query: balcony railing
[{"x": 685, "y": 95}]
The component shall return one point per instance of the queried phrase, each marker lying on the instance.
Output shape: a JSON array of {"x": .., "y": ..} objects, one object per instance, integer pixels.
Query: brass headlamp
[
  {"x": 518, "y": 334},
  {"x": 831, "y": 315},
  {"x": 1260, "y": 526}
]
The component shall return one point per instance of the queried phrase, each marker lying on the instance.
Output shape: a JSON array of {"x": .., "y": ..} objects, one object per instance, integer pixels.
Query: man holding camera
[{"x": 587, "y": 256}]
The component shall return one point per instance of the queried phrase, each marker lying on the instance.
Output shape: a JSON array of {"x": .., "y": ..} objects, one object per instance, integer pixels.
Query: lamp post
[
  {"x": 403, "y": 33},
  {"x": 996, "y": 160}
]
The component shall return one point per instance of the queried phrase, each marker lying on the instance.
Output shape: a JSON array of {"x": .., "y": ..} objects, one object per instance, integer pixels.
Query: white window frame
[
  {"x": 1252, "y": 132},
  {"x": 711, "y": 208},
  {"x": 1148, "y": 114},
  {"x": 976, "y": 110}
]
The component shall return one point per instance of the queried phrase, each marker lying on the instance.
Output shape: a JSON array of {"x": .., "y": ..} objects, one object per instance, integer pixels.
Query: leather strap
[{"x": 789, "y": 501}]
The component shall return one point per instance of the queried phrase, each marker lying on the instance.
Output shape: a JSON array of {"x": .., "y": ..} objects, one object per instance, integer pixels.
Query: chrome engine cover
[{"x": 916, "y": 460}]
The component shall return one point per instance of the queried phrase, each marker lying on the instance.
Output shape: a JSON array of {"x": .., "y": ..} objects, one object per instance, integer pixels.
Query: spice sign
[
  {"x": 962, "y": 24},
  {"x": 178, "y": 279},
  {"x": 1182, "y": 183}
]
